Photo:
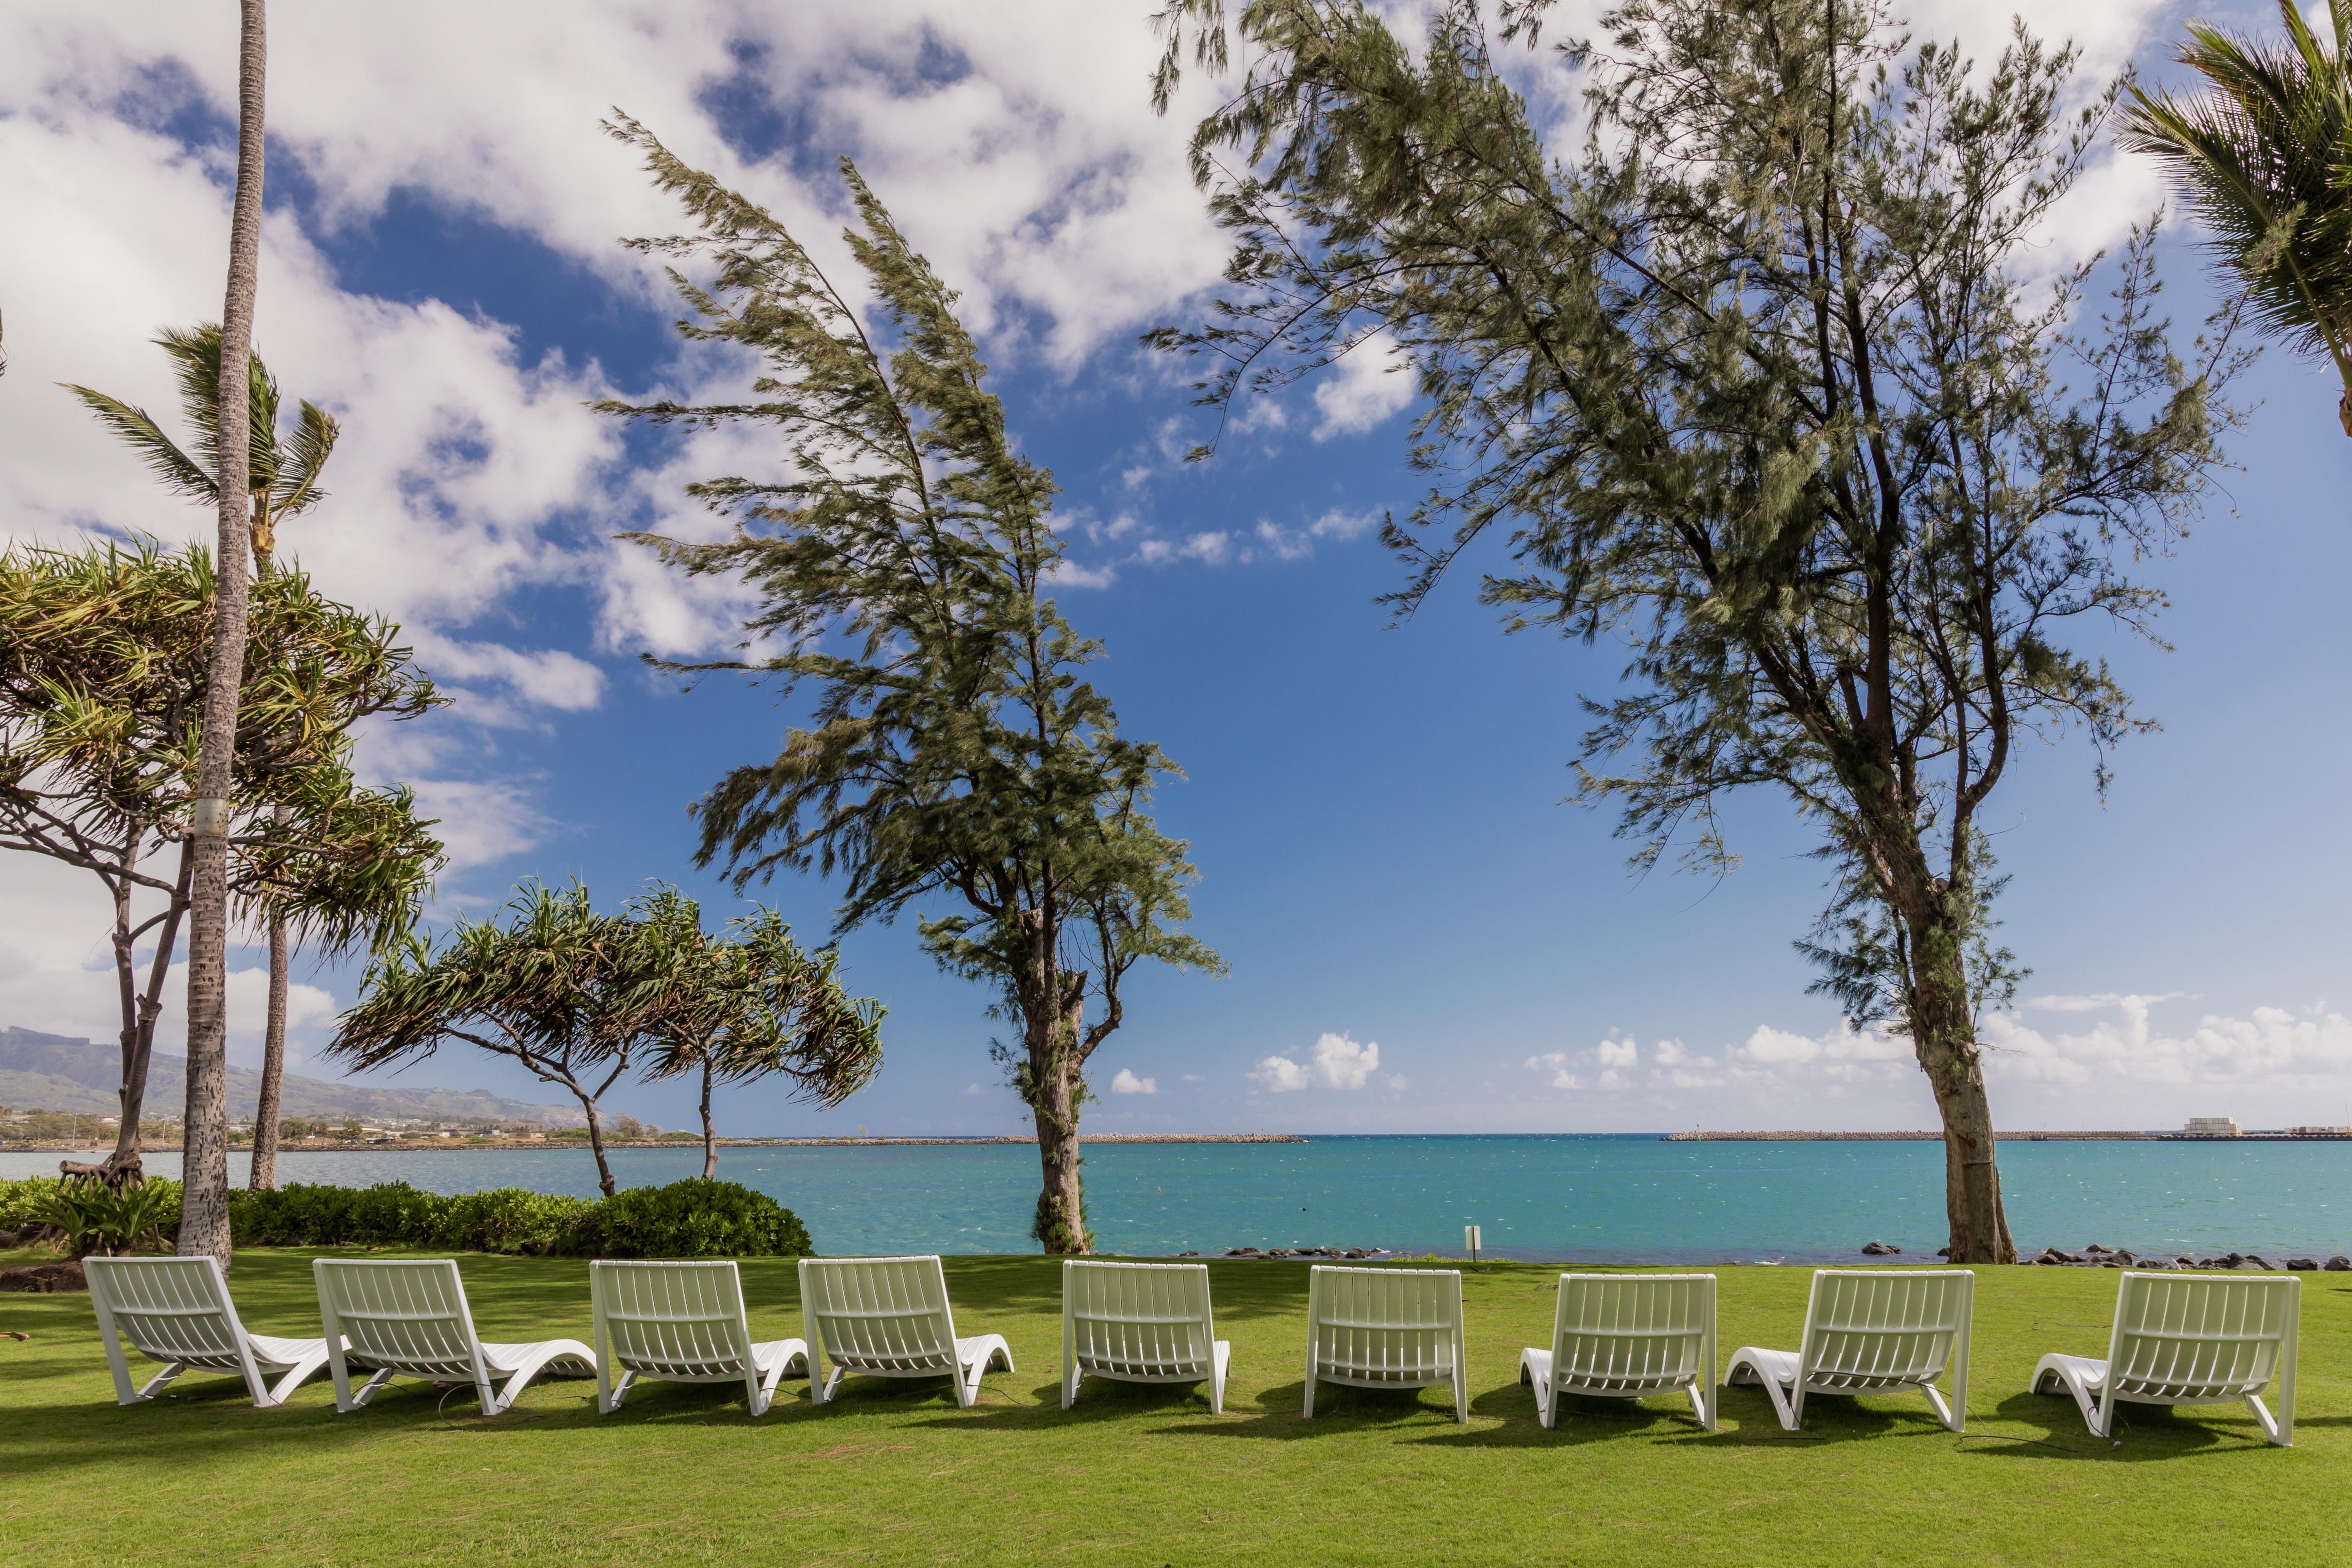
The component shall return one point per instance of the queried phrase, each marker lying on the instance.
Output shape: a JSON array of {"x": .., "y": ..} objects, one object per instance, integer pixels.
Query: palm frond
[
  {"x": 180, "y": 473},
  {"x": 300, "y": 460}
]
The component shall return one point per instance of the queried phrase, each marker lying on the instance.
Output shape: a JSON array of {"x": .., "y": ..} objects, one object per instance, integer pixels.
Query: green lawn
[{"x": 895, "y": 1473}]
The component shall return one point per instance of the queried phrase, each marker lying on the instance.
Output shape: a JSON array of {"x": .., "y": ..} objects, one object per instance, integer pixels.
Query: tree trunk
[
  {"x": 122, "y": 1168},
  {"x": 596, "y": 1146},
  {"x": 1943, "y": 1036},
  {"x": 264, "y": 1176},
  {"x": 710, "y": 1138},
  {"x": 1054, "y": 1071},
  {"x": 204, "y": 1199}
]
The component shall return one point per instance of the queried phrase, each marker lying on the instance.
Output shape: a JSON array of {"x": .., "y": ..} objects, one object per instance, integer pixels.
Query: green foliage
[
  {"x": 2264, "y": 158},
  {"x": 283, "y": 474},
  {"x": 685, "y": 1219},
  {"x": 1757, "y": 377},
  {"x": 692, "y": 1219},
  {"x": 94, "y": 1218},
  {"x": 903, "y": 561},
  {"x": 104, "y": 660}
]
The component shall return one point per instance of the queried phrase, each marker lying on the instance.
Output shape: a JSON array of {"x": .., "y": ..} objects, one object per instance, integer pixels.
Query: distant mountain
[{"x": 54, "y": 1072}]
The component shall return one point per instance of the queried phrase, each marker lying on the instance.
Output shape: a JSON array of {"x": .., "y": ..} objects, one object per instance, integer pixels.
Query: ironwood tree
[
  {"x": 903, "y": 561},
  {"x": 1759, "y": 375},
  {"x": 105, "y": 654},
  {"x": 744, "y": 1003},
  {"x": 283, "y": 472}
]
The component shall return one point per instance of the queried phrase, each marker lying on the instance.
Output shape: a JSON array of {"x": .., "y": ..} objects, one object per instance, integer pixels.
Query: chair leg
[
  {"x": 296, "y": 1374},
  {"x": 1070, "y": 1386},
  {"x": 1461, "y": 1397},
  {"x": 823, "y": 1395},
  {"x": 1943, "y": 1411},
  {"x": 1698, "y": 1404},
  {"x": 620, "y": 1391},
  {"x": 369, "y": 1389},
  {"x": 1308, "y": 1413},
  {"x": 157, "y": 1383},
  {"x": 2263, "y": 1413},
  {"x": 764, "y": 1392}
]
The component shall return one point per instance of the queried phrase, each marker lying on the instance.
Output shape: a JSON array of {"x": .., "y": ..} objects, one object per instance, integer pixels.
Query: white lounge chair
[
  {"x": 1385, "y": 1327},
  {"x": 1620, "y": 1336},
  {"x": 1140, "y": 1323},
  {"x": 2190, "y": 1338},
  {"x": 681, "y": 1322},
  {"x": 888, "y": 1316},
  {"x": 1873, "y": 1330},
  {"x": 410, "y": 1319},
  {"x": 177, "y": 1310}
]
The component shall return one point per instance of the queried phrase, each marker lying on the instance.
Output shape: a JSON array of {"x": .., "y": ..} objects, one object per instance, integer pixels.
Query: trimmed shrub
[
  {"x": 694, "y": 1218},
  {"x": 691, "y": 1219}
]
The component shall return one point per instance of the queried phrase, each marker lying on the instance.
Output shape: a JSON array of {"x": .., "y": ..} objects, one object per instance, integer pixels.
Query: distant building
[{"x": 2210, "y": 1127}]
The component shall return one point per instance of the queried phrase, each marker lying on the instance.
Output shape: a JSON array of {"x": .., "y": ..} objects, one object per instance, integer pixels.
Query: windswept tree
[
  {"x": 283, "y": 474},
  {"x": 1761, "y": 377},
  {"x": 548, "y": 988},
  {"x": 104, "y": 657},
  {"x": 2262, "y": 156},
  {"x": 743, "y": 1004},
  {"x": 903, "y": 563}
]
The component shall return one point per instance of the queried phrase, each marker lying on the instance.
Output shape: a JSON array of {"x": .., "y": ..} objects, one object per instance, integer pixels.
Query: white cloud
[
  {"x": 1127, "y": 1083},
  {"x": 1373, "y": 382},
  {"x": 1337, "y": 1062}
]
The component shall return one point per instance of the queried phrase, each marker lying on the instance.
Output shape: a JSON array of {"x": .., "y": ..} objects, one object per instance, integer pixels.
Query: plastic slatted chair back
[
  {"x": 1139, "y": 1321},
  {"x": 1375, "y": 1327},
  {"x": 1633, "y": 1333},
  {"x": 172, "y": 1309},
  {"x": 1869, "y": 1328},
  {"x": 411, "y": 1317},
  {"x": 2190, "y": 1338},
  {"x": 886, "y": 1315},
  {"x": 683, "y": 1321}
]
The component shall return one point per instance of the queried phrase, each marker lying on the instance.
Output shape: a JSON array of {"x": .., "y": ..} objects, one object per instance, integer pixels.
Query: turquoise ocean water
[{"x": 1585, "y": 1199}]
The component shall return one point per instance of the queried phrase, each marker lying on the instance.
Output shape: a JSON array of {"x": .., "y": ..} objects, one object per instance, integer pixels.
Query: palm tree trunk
[
  {"x": 204, "y": 1201},
  {"x": 264, "y": 1175}
]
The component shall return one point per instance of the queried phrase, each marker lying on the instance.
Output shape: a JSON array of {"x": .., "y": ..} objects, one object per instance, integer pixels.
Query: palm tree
[
  {"x": 2264, "y": 158},
  {"x": 282, "y": 474},
  {"x": 204, "y": 1160}
]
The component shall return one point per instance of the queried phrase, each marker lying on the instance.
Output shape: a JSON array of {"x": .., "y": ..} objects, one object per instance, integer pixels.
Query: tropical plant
[
  {"x": 744, "y": 1004},
  {"x": 283, "y": 473},
  {"x": 551, "y": 988},
  {"x": 104, "y": 661},
  {"x": 903, "y": 564},
  {"x": 204, "y": 1228},
  {"x": 91, "y": 1217},
  {"x": 1764, "y": 375},
  {"x": 2264, "y": 158}
]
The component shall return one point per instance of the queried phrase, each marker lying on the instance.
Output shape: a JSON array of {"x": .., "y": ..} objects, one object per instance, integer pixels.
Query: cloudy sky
[{"x": 1421, "y": 937}]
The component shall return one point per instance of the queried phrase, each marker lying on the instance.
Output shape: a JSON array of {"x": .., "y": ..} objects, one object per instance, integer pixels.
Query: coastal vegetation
[
  {"x": 582, "y": 999},
  {"x": 104, "y": 671},
  {"x": 1759, "y": 377},
  {"x": 694, "y": 1218},
  {"x": 895, "y": 1472},
  {"x": 903, "y": 565},
  {"x": 2263, "y": 159}
]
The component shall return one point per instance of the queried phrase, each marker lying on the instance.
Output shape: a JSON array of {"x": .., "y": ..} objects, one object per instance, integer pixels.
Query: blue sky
[{"x": 1375, "y": 810}]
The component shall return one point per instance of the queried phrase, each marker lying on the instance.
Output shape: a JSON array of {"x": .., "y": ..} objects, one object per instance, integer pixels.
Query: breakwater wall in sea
[{"x": 2117, "y": 1137}]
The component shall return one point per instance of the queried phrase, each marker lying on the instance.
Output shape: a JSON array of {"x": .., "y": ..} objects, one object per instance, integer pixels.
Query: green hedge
[{"x": 692, "y": 1218}]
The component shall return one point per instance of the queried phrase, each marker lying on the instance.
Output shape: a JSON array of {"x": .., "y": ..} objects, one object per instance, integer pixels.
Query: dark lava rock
[
  {"x": 2338, "y": 1263},
  {"x": 1943, "y": 1252},
  {"x": 44, "y": 1278},
  {"x": 1878, "y": 1249},
  {"x": 1358, "y": 1252},
  {"x": 2252, "y": 1262},
  {"x": 2186, "y": 1262},
  {"x": 2052, "y": 1255},
  {"x": 2303, "y": 1264},
  {"x": 2094, "y": 1250},
  {"x": 1242, "y": 1252},
  {"x": 1188, "y": 1255},
  {"x": 2120, "y": 1256}
]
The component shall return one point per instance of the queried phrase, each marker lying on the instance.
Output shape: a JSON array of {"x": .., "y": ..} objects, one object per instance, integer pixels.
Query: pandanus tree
[
  {"x": 744, "y": 1003},
  {"x": 2263, "y": 158},
  {"x": 282, "y": 472},
  {"x": 1764, "y": 376},
  {"x": 545, "y": 988},
  {"x": 903, "y": 559},
  {"x": 105, "y": 658}
]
